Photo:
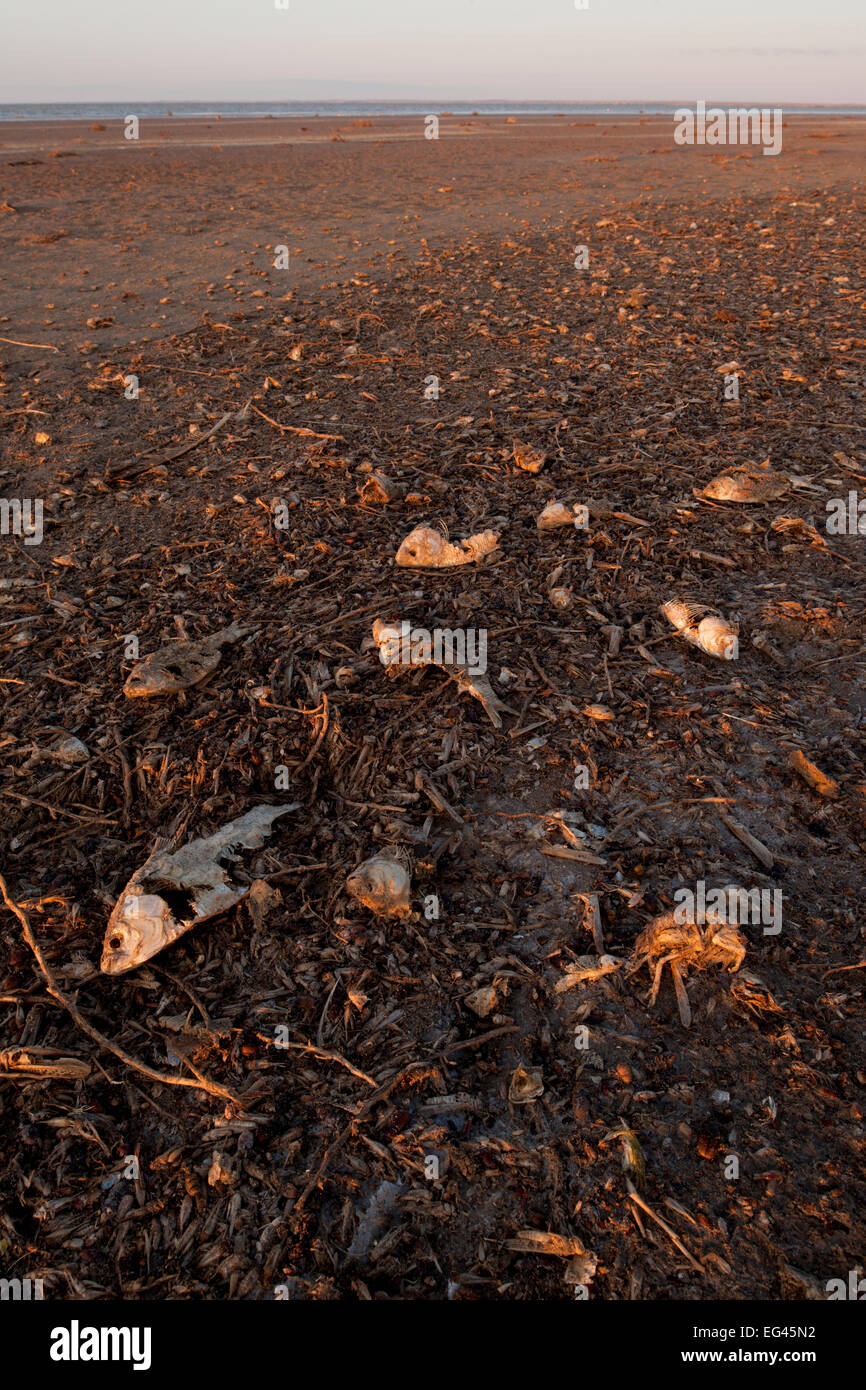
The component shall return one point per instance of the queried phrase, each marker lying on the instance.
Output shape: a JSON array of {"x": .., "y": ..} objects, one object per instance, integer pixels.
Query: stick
[
  {"x": 49, "y": 347},
  {"x": 51, "y": 984},
  {"x": 634, "y": 1197}
]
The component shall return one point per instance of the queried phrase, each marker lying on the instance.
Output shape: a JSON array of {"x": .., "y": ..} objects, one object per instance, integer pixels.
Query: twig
[
  {"x": 635, "y": 1197},
  {"x": 49, "y": 347},
  {"x": 200, "y": 1084},
  {"x": 296, "y": 429}
]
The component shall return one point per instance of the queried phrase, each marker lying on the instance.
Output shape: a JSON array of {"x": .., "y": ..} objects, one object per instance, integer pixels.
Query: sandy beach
[{"x": 464, "y": 1100}]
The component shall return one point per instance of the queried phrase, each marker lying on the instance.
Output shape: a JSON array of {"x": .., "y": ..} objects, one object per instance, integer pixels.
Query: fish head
[
  {"x": 139, "y": 926},
  {"x": 423, "y": 546}
]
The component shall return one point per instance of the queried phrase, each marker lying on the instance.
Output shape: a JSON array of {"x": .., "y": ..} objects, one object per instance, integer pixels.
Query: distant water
[{"x": 115, "y": 111}]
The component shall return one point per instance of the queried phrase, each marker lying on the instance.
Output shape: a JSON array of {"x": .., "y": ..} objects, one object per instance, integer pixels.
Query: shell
[
  {"x": 703, "y": 628},
  {"x": 381, "y": 884},
  {"x": 425, "y": 548},
  {"x": 175, "y": 890},
  {"x": 554, "y": 516},
  {"x": 745, "y": 485},
  {"x": 180, "y": 665}
]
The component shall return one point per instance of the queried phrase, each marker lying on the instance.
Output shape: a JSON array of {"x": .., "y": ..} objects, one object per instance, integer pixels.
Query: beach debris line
[
  {"x": 681, "y": 945},
  {"x": 382, "y": 884},
  {"x": 426, "y": 548},
  {"x": 702, "y": 627},
  {"x": 174, "y": 890},
  {"x": 399, "y": 652},
  {"x": 180, "y": 665}
]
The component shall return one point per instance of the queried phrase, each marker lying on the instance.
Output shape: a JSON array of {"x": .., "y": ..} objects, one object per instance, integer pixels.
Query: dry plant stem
[
  {"x": 201, "y": 1084},
  {"x": 635, "y": 1197}
]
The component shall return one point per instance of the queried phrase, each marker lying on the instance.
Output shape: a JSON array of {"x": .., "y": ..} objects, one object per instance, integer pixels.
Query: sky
[{"x": 771, "y": 51}]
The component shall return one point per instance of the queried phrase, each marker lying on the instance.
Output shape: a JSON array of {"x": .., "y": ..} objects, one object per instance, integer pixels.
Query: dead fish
[
  {"x": 381, "y": 884},
  {"x": 426, "y": 548},
  {"x": 399, "y": 651},
  {"x": 702, "y": 627},
  {"x": 176, "y": 889},
  {"x": 180, "y": 665},
  {"x": 529, "y": 459},
  {"x": 555, "y": 515},
  {"x": 745, "y": 485}
]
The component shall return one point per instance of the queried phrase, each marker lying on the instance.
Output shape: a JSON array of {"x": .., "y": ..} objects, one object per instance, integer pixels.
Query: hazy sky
[{"x": 126, "y": 50}]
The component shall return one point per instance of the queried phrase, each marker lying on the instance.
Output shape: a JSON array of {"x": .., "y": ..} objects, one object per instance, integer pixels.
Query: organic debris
[
  {"x": 683, "y": 945},
  {"x": 703, "y": 628},
  {"x": 425, "y": 548},
  {"x": 180, "y": 665},
  {"x": 381, "y": 884},
  {"x": 174, "y": 890}
]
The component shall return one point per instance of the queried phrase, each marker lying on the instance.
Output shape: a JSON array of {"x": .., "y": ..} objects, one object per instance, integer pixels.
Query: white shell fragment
[
  {"x": 400, "y": 651},
  {"x": 381, "y": 884},
  {"x": 425, "y": 548},
  {"x": 703, "y": 627},
  {"x": 176, "y": 889},
  {"x": 557, "y": 515},
  {"x": 180, "y": 665}
]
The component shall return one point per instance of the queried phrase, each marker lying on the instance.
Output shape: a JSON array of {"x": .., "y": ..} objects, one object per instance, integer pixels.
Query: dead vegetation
[{"x": 416, "y": 1105}]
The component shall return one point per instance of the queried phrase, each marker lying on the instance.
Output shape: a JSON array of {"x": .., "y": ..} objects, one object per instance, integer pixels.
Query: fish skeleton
[{"x": 174, "y": 890}]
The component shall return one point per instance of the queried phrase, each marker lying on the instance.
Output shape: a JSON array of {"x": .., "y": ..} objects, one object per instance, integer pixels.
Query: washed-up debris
[
  {"x": 556, "y": 515},
  {"x": 180, "y": 665},
  {"x": 399, "y": 651},
  {"x": 561, "y": 598},
  {"x": 42, "y": 1064},
  {"x": 375, "y": 1220},
  {"x": 174, "y": 890},
  {"x": 381, "y": 489},
  {"x": 62, "y": 748},
  {"x": 529, "y": 1242},
  {"x": 757, "y": 484},
  {"x": 684, "y": 945},
  {"x": 703, "y": 627},
  {"x": 381, "y": 884},
  {"x": 633, "y": 1162},
  {"x": 812, "y": 775},
  {"x": 599, "y": 713},
  {"x": 526, "y": 1084},
  {"x": 796, "y": 526},
  {"x": 529, "y": 459},
  {"x": 484, "y": 1000},
  {"x": 586, "y": 969},
  {"x": 425, "y": 548}
]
